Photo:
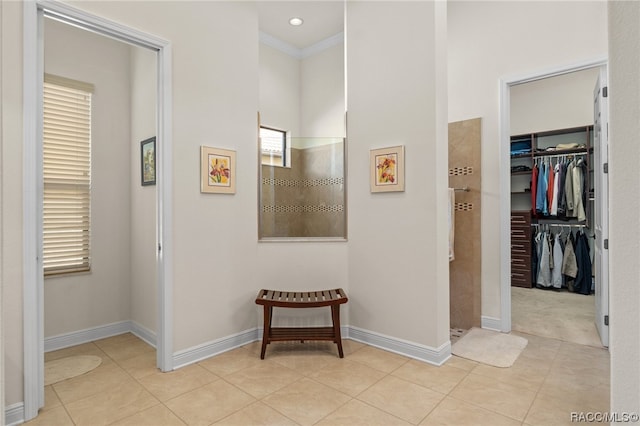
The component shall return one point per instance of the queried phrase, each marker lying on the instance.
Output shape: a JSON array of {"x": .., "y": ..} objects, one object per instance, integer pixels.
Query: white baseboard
[
  {"x": 74, "y": 338},
  {"x": 214, "y": 347},
  {"x": 435, "y": 356},
  {"x": 491, "y": 323},
  {"x": 14, "y": 414},
  {"x": 143, "y": 333}
]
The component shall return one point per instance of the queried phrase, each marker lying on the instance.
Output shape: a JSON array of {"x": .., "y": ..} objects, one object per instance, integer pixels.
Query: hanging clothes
[
  {"x": 541, "y": 193},
  {"x": 544, "y": 259},
  {"x": 556, "y": 272},
  {"x": 569, "y": 262},
  {"x": 583, "y": 166},
  {"x": 578, "y": 181},
  {"x": 534, "y": 187},
  {"x": 568, "y": 190},
  {"x": 556, "y": 183},
  {"x": 550, "y": 186},
  {"x": 583, "y": 278},
  {"x": 562, "y": 202}
]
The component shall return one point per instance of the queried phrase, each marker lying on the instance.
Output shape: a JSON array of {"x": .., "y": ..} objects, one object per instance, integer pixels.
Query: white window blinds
[
  {"x": 67, "y": 175},
  {"x": 272, "y": 141}
]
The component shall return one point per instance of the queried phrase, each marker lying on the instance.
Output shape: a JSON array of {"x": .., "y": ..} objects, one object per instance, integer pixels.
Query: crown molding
[{"x": 298, "y": 53}]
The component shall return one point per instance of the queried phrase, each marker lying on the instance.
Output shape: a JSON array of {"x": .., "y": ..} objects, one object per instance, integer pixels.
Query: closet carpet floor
[
  {"x": 307, "y": 384},
  {"x": 557, "y": 314}
]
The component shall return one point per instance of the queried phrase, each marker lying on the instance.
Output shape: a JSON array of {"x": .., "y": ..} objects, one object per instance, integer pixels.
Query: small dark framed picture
[{"x": 148, "y": 161}]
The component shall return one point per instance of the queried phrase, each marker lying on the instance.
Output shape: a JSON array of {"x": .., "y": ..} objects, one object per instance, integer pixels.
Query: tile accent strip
[
  {"x": 463, "y": 207},
  {"x": 303, "y": 209},
  {"x": 302, "y": 182},
  {"x": 460, "y": 171}
]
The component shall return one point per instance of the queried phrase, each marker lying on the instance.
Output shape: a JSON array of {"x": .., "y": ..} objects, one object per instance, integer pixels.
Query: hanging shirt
[
  {"x": 556, "y": 272},
  {"x": 550, "y": 185},
  {"x": 568, "y": 190},
  {"x": 541, "y": 191},
  {"x": 545, "y": 189},
  {"x": 583, "y": 279},
  {"x": 562, "y": 202},
  {"x": 569, "y": 263},
  {"x": 544, "y": 273},
  {"x": 578, "y": 207},
  {"x": 556, "y": 182}
]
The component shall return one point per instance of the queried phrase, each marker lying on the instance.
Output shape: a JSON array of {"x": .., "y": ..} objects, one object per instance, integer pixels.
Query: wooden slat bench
[{"x": 308, "y": 299}]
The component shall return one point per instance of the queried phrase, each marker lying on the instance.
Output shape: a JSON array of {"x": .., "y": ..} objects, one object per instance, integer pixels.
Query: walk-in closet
[{"x": 554, "y": 203}]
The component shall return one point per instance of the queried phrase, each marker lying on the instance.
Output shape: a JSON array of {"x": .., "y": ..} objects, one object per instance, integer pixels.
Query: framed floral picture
[
  {"x": 387, "y": 169},
  {"x": 148, "y": 161},
  {"x": 217, "y": 170}
]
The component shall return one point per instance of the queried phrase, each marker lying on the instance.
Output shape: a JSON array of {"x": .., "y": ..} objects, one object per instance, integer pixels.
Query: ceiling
[{"x": 322, "y": 19}]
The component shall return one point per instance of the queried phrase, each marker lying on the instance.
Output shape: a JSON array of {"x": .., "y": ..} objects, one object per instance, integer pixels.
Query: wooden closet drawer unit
[
  {"x": 521, "y": 249},
  {"x": 520, "y": 218},
  {"x": 521, "y": 279}
]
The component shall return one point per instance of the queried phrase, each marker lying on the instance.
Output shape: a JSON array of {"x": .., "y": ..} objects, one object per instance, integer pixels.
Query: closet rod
[
  {"x": 570, "y": 225},
  {"x": 463, "y": 189},
  {"x": 567, "y": 154}
]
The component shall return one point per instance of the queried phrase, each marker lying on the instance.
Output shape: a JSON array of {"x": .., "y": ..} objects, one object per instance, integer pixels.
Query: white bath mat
[
  {"x": 65, "y": 368},
  {"x": 490, "y": 347}
]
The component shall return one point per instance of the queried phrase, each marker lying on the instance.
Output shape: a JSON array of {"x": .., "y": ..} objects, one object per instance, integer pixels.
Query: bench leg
[
  {"x": 335, "y": 316},
  {"x": 266, "y": 334}
]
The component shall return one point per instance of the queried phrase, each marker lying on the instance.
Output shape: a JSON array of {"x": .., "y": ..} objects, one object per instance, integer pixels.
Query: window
[
  {"x": 273, "y": 144},
  {"x": 67, "y": 175}
]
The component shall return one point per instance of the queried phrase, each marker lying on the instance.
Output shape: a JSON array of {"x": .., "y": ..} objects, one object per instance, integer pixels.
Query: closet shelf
[
  {"x": 516, "y": 156},
  {"x": 559, "y": 152}
]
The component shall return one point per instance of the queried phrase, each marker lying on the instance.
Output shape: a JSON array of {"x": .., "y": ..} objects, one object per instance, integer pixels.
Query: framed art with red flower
[
  {"x": 387, "y": 169},
  {"x": 217, "y": 170}
]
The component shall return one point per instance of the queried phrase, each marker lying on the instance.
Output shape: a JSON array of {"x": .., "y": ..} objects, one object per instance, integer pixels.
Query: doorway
[
  {"x": 518, "y": 99},
  {"x": 34, "y": 14}
]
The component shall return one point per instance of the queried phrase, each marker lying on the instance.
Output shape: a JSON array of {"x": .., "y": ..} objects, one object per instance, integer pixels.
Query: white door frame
[
  {"x": 33, "y": 289},
  {"x": 505, "y": 175}
]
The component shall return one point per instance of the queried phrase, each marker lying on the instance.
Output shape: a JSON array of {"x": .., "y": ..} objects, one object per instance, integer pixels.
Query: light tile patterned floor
[{"x": 307, "y": 384}]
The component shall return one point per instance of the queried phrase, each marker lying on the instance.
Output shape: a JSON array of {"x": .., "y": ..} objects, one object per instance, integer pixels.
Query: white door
[{"x": 601, "y": 204}]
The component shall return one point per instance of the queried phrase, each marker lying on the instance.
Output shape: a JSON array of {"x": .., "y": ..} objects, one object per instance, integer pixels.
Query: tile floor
[{"x": 307, "y": 384}]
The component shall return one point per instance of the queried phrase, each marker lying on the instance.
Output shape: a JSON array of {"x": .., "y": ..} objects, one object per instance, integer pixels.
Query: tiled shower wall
[
  {"x": 465, "y": 269},
  {"x": 306, "y": 200}
]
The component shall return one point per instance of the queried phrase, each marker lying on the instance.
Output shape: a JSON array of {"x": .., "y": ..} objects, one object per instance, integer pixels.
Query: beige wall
[
  {"x": 84, "y": 301},
  {"x": 303, "y": 96},
  {"x": 398, "y": 256},
  {"x": 553, "y": 103},
  {"x": 143, "y": 278},
  {"x": 322, "y": 93},
  {"x": 279, "y": 90},
  {"x": 562, "y": 33},
  {"x": 624, "y": 221}
]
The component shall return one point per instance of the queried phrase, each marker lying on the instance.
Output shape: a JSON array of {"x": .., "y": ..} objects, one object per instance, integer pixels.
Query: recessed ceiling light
[{"x": 296, "y": 22}]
